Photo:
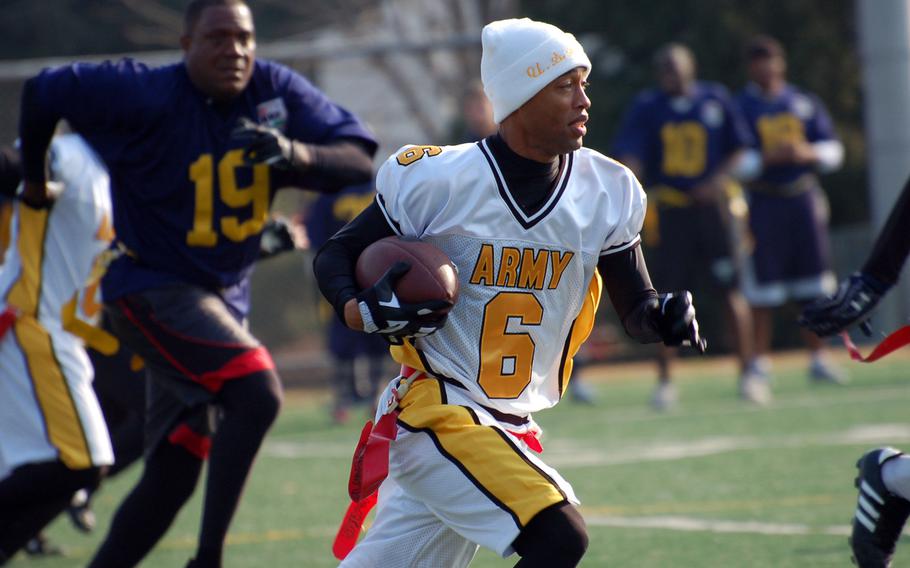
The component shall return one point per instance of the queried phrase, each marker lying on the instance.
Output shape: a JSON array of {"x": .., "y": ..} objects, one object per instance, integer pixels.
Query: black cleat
[
  {"x": 880, "y": 515},
  {"x": 80, "y": 511}
]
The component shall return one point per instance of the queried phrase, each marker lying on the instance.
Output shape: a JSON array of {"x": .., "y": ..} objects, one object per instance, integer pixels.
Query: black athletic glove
[
  {"x": 675, "y": 321},
  {"x": 856, "y": 296},
  {"x": 383, "y": 313},
  {"x": 264, "y": 145},
  {"x": 277, "y": 238}
]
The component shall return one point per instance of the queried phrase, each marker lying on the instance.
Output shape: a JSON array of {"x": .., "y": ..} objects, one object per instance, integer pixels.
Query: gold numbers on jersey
[
  {"x": 414, "y": 153},
  {"x": 506, "y": 352},
  {"x": 685, "y": 146},
  {"x": 256, "y": 194},
  {"x": 776, "y": 130}
]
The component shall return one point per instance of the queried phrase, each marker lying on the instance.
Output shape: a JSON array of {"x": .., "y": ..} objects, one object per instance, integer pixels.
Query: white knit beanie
[{"x": 521, "y": 57}]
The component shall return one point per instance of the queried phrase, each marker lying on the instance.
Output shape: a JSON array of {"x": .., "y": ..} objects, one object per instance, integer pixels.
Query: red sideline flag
[{"x": 891, "y": 343}]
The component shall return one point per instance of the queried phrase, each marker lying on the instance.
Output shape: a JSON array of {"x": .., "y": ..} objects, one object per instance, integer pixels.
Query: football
[{"x": 432, "y": 276}]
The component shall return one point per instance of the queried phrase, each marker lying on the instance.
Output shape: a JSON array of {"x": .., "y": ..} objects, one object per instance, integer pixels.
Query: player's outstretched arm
[
  {"x": 36, "y": 128},
  {"x": 338, "y": 164},
  {"x": 647, "y": 316},
  {"x": 858, "y": 295}
]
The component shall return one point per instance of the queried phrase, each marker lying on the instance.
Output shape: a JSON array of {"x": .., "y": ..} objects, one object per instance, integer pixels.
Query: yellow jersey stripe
[
  {"x": 25, "y": 293},
  {"x": 486, "y": 455},
  {"x": 581, "y": 329},
  {"x": 61, "y": 419},
  {"x": 64, "y": 428}
]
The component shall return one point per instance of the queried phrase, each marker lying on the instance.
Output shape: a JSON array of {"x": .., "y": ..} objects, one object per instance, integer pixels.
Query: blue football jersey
[
  {"x": 793, "y": 115},
  {"x": 680, "y": 141},
  {"x": 185, "y": 205}
]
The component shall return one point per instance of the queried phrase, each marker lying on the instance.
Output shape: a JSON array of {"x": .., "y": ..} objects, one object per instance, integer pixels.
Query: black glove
[
  {"x": 383, "y": 313},
  {"x": 264, "y": 145},
  {"x": 856, "y": 296},
  {"x": 276, "y": 238},
  {"x": 675, "y": 321}
]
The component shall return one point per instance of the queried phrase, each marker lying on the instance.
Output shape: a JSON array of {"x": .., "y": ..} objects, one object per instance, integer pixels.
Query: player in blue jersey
[
  {"x": 352, "y": 382},
  {"x": 195, "y": 152},
  {"x": 788, "y": 210},
  {"x": 684, "y": 140}
]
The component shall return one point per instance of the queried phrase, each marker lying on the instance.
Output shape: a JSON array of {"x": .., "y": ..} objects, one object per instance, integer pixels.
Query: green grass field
[{"x": 714, "y": 483}]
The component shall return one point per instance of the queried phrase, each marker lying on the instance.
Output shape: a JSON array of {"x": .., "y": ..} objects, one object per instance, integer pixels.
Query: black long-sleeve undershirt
[
  {"x": 893, "y": 243},
  {"x": 334, "y": 263}
]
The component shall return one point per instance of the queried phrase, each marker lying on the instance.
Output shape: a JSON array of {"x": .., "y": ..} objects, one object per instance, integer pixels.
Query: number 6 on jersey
[{"x": 507, "y": 355}]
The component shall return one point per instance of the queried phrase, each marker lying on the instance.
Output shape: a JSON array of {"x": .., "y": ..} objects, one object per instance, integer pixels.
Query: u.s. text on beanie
[{"x": 520, "y": 57}]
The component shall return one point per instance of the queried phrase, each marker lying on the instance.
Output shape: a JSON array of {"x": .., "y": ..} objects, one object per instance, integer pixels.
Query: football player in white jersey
[
  {"x": 53, "y": 439},
  {"x": 536, "y": 225}
]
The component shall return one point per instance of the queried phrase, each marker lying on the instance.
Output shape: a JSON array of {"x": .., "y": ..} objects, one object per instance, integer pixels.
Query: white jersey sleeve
[
  {"x": 410, "y": 190},
  {"x": 631, "y": 203}
]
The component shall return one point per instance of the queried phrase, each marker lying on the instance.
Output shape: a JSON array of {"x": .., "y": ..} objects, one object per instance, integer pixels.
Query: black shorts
[
  {"x": 792, "y": 256},
  {"x": 191, "y": 344},
  {"x": 694, "y": 249}
]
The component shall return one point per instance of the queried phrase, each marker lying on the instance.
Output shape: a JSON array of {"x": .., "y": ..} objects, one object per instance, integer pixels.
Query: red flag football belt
[{"x": 891, "y": 343}]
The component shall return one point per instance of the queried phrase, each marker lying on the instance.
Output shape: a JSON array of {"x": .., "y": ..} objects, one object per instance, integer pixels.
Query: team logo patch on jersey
[
  {"x": 802, "y": 107},
  {"x": 712, "y": 114},
  {"x": 272, "y": 113}
]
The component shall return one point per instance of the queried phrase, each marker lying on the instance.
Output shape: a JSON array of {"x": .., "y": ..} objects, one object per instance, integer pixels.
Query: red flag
[
  {"x": 891, "y": 343},
  {"x": 352, "y": 525}
]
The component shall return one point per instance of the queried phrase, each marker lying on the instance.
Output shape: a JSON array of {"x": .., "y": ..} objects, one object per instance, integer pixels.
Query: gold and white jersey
[
  {"x": 528, "y": 283},
  {"x": 48, "y": 409}
]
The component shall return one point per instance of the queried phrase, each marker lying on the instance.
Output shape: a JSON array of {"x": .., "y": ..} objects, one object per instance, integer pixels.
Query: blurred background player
[
  {"x": 195, "y": 152},
  {"x": 683, "y": 140},
  {"x": 884, "y": 473},
  {"x": 53, "y": 439},
  {"x": 788, "y": 210},
  {"x": 361, "y": 362},
  {"x": 536, "y": 225}
]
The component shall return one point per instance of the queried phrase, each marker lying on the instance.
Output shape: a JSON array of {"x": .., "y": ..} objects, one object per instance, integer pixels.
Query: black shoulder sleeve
[
  {"x": 334, "y": 263},
  {"x": 628, "y": 284},
  {"x": 893, "y": 243},
  {"x": 36, "y": 128}
]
